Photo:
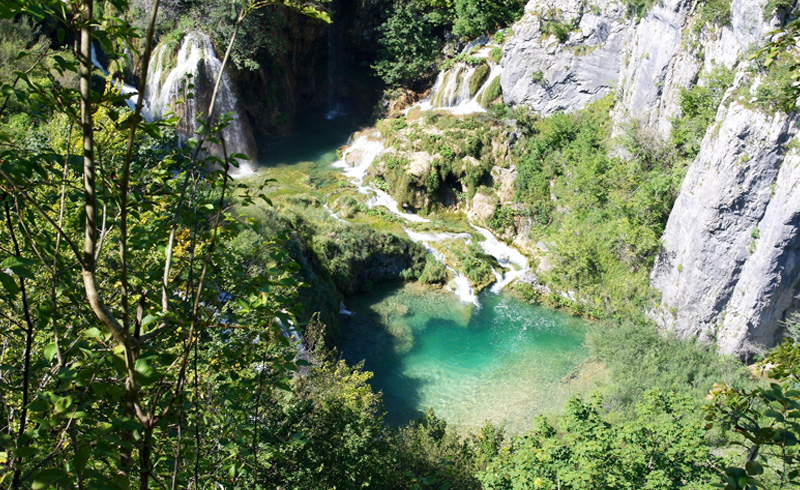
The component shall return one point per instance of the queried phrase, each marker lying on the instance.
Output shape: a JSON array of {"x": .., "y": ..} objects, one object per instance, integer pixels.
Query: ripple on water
[{"x": 503, "y": 361}]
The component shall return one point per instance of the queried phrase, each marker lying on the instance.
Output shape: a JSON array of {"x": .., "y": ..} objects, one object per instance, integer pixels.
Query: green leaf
[
  {"x": 50, "y": 351},
  {"x": 47, "y": 478},
  {"x": 9, "y": 284},
  {"x": 39, "y": 405},
  {"x": 19, "y": 266},
  {"x": 147, "y": 320},
  {"x": 754, "y": 468},
  {"x": 93, "y": 333},
  {"x": 147, "y": 373}
]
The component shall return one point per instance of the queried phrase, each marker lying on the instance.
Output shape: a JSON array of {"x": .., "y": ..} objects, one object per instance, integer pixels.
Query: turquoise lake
[{"x": 506, "y": 360}]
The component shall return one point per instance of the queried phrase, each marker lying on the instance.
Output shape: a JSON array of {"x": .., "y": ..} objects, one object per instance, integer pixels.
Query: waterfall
[
  {"x": 294, "y": 337},
  {"x": 508, "y": 257},
  {"x": 333, "y": 214},
  {"x": 460, "y": 285},
  {"x": 456, "y": 90},
  {"x": 124, "y": 88},
  {"x": 356, "y": 161},
  {"x": 334, "y": 62},
  {"x": 196, "y": 57}
]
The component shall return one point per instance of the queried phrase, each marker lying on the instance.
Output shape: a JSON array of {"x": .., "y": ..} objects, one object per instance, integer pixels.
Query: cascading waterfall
[
  {"x": 124, "y": 88},
  {"x": 460, "y": 285},
  {"x": 334, "y": 62},
  {"x": 508, "y": 257},
  {"x": 456, "y": 92},
  {"x": 356, "y": 161},
  {"x": 196, "y": 57}
]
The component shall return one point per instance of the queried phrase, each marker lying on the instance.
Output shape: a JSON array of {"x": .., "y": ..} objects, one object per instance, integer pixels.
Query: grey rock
[
  {"x": 547, "y": 75},
  {"x": 718, "y": 281}
]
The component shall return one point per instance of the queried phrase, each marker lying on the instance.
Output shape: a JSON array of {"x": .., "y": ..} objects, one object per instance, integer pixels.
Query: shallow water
[
  {"x": 316, "y": 140},
  {"x": 502, "y": 361}
]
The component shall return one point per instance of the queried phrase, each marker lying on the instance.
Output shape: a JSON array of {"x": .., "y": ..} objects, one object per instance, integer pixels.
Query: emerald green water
[
  {"x": 505, "y": 361},
  {"x": 315, "y": 141}
]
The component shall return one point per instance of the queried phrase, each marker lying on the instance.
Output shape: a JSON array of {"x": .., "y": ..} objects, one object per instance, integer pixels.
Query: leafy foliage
[
  {"x": 660, "y": 448},
  {"x": 765, "y": 421},
  {"x": 476, "y": 17},
  {"x": 699, "y": 108},
  {"x": 409, "y": 46},
  {"x": 602, "y": 215}
]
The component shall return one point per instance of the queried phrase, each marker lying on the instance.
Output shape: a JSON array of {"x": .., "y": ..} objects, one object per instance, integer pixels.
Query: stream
[{"x": 472, "y": 358}]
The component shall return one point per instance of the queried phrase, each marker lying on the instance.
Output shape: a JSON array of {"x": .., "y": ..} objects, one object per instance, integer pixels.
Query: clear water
[
  {"x": 505, "y": 361},
  {"x": 315, "y": 141}
]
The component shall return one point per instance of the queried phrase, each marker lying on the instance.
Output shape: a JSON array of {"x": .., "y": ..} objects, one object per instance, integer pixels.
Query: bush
[
  {"x": 601, "y": 216},
  {"x": 662, "y": 447},
  {"x": 558, "y": 29},
  {"x": 639, "y": 8},
  {"x": 476, "y": 17},
  {"x": 495, "y": 55},
  {"x": 435, "y": 272},
  {"x": 699, "y": 108},
  {"x": 409, "y": 46},
  {"x": 661, "y": 362}
]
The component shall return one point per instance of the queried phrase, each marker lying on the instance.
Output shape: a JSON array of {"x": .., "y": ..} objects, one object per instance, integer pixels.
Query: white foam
[{"x": 355, "y": 163}]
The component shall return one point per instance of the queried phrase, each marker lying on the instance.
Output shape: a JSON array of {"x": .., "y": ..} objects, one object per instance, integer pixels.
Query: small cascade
[
  {"x": 355, "y": 163},
  {"x": 344, "y": 311},
  {"x": 464, "y": 88},
  {"x": 333, "y": 214},
  {"x": 454, "y": 88},
  {"x": 460, "y": 285},
  {"x": 124, "y": 88},
  {"x": 294, "y": 337},
  {"x": 196, "y": 57},
  {"x": 508, "y": 257}
]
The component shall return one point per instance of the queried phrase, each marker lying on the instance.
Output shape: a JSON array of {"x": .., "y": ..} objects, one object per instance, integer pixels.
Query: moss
[
  {"x": 477, "y": 79},
  {"x": 492, "y": 93}
]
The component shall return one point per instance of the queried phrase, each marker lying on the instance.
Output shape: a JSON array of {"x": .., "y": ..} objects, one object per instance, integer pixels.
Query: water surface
[
  {"x": 315, "y": 140},
  {"x": 503, "y": 361}
]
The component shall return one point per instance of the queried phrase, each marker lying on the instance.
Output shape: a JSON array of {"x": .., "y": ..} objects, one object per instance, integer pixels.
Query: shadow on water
[
  {"x": 315, "y": 139},
  {"x": 504, "y": 361},
  {"x": 367, "y": 336}
]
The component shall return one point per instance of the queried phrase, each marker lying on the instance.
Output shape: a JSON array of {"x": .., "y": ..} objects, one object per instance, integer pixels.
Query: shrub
[
  {"x": 435, "y": 272},
  {"x": 476, "y": 17},
  {"x": 557, "y": 28},
  {"x": 495, "y": 55},
  {"x": 409, "y": 46}
]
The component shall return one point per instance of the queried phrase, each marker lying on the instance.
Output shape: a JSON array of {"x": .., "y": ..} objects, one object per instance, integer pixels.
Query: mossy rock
[
  {"x": 478, "y": 77},
  {"x": 492, "y": 93}
]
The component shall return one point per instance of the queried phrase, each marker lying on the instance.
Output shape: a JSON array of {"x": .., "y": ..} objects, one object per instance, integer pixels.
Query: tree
[
  {"x": 115, "y": 385},
  {"x": 409, "y": 46},
  {"x": 660, "y": 448}
]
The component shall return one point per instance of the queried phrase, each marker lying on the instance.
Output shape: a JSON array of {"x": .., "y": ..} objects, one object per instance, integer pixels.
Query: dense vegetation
[
  {"x": 414, "y": 34},
  {"x": 145, "y": 301}
]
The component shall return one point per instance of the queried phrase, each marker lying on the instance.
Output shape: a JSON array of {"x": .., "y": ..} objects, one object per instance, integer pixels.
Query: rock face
[
  {"x": 729, "y": 265},
  {"x": 549, "y": 75},
  {"x": 729, "y": 270}
]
